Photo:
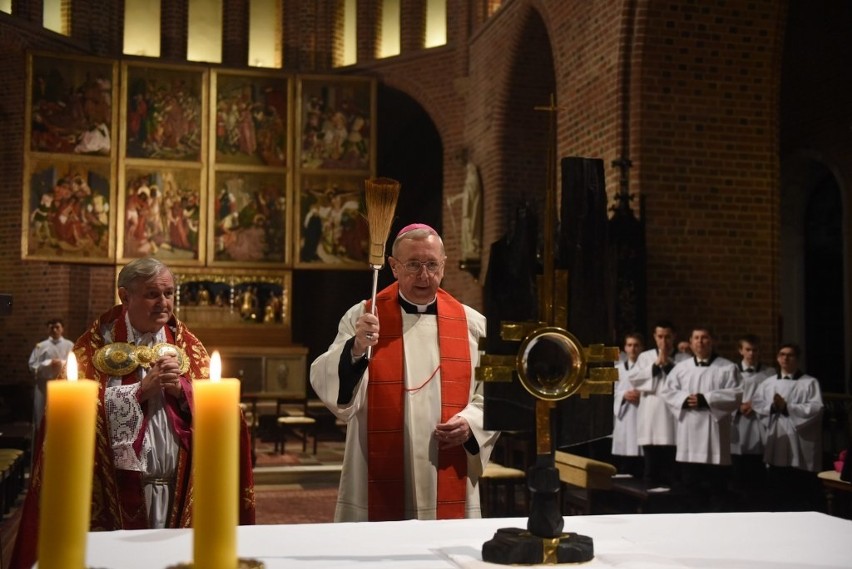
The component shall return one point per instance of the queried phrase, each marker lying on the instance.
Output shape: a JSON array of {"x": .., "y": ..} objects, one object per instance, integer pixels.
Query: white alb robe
[
  {"x": 704, "y": 435},
  {"x": 40, "y": 358},
  {"x": 747, "y": 431},
  {"x": 794, "y": 439},
  {"x": 422, "y": 413},
  {"x": 624, "y": 440},
  {"x": 655, "y": 423},
  {"x": 158, "y": 459}
]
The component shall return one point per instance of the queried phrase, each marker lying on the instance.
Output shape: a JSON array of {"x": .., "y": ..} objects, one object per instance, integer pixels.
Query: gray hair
[
  {"x": 144, "y": 269},
  {"x": 416, "y": 235}
]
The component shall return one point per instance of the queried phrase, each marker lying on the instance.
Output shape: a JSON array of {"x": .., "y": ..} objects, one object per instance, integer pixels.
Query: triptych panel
[{"x": 198, "y": 166}]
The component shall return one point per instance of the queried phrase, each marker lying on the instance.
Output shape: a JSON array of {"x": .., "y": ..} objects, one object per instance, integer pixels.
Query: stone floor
[
  {"x": 295, "y": 503},
  {"x": 297, "y": 487}
]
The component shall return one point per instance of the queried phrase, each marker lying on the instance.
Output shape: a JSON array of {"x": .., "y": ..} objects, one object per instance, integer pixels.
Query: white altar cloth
[{"x": 793, "y": 540}]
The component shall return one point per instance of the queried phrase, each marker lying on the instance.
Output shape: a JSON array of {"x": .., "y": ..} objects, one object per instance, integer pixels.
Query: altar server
[
  {"x": 702, "y": 392},
  {"x": 791, "y": 407},
  {"x": 625, "y": 446},
  {"x": 747, "y": 430},
  {"x": 655, "y": 423}
]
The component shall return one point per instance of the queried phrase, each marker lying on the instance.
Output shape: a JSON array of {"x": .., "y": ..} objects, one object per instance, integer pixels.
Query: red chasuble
[{"x": 386, "y": 409}]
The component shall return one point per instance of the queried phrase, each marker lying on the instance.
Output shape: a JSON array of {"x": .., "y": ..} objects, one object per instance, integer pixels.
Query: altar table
[{"x": 720, "y": 541}]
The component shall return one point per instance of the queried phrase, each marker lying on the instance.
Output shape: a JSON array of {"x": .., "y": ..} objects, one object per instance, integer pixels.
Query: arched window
[
  {"x": 436, "y": 23},
  {"x": 350, "y": 33},
  {"x": 204, "y": 36},
  {"x": 142, "y": 27},
  {"x": 56, "y": 16},
  {"x": 265, "y": 41},
  {"x": 824, "y": 277},
  {"x": 389, "y": 40},
  {"x": 492, "y": 6}
]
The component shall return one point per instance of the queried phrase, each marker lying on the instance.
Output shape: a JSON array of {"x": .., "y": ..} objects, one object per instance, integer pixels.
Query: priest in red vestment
[
  {"x": 146, "y": 362},
  {"x": 415, "y": 442}
]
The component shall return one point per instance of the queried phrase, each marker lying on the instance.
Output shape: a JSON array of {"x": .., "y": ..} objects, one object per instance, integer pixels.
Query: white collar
[{"x": 420, "y": 307}]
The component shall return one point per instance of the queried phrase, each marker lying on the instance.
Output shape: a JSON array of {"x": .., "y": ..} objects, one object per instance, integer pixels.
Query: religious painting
[
  {"x": 70, "y": 105},
  {"x": 251, "y": 118},
  {"x": 220, "y": 298},
  {"x": 162, "y": 214},
  {"x": 249, "y": 218},
  {"x": 285, "y": 376},
  {"x": 67, "y": 213},
  {"x": 336, "y": 123},
  {"x": 165, "y": 110},
  {"x": 333, "y": 230}
]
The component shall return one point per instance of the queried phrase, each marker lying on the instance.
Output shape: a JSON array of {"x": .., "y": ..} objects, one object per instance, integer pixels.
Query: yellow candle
[
  {"x": 69, "y": 455},
  {"x": 215, "y": 470}
]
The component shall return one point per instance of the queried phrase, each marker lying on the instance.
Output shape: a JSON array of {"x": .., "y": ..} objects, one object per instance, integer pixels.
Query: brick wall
[
  {"x": 39, "y": 290},
  {"x": 235, "y": 30},
  {"x": 174, "y": 16},
  {"x": 702, "y": 135},
  {"x": 706, "y": 153},
  {"x": 98, "y": 25}
]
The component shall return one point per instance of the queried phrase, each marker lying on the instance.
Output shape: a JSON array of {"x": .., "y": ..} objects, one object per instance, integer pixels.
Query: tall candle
[
  {"x": 215, "y": 470},
  {"x": 68, "y": 464}
]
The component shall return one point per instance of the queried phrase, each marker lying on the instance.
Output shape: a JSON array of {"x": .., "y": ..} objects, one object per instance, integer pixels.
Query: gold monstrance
[{"x": 552, "y": 365}]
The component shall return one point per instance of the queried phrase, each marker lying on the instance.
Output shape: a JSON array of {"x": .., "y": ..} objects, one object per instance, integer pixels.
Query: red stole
[{"x": 386, "y": 409}]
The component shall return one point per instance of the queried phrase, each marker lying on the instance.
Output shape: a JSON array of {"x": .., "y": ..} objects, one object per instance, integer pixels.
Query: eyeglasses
[{"x": 415, "y": 266}]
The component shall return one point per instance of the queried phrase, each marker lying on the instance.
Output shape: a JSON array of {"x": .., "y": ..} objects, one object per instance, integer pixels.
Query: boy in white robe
[
  {"x": 46, "y": 361},
  {"x": 703, "y": 392},
  {"x": 747, "y": 430},
  {"x": 655, "y": 423},
  {"x": 791, "y": 407},
  {"x": 625, "y": 446}
]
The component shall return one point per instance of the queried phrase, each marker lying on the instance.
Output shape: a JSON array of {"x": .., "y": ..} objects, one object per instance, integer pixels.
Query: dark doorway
[
  {"x": 409, "y": 150},
  {"x": 824, "y": 306}
]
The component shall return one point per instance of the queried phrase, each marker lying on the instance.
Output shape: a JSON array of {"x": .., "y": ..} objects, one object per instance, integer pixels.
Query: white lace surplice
[{"x": 157, "y": 460}]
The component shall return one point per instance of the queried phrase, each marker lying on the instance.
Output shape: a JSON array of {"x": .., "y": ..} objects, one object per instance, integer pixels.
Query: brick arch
[
  {"x": 412, "y": 86},
  {"x": 814, "y": 142},
  {"x": 443, "y": 110},
  {"x": 410, "y": 149},
  {"x": 804, "y": 171},
  {"x": 523, "y": 132}
]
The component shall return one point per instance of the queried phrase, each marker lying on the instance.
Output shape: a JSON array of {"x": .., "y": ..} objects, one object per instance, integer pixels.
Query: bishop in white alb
[{"x": 422, "y": 413}]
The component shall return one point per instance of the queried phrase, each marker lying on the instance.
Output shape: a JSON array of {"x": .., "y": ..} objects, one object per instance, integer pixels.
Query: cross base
[{"x": 515, "y": 546}]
